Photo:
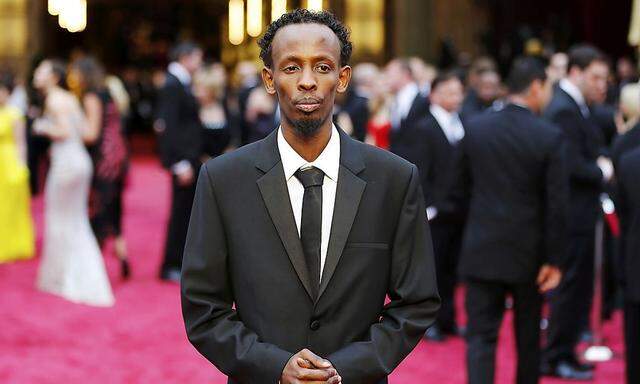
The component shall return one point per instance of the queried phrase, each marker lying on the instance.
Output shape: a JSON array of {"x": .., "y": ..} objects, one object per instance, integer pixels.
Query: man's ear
[
  {"x": 343, "y": 79},
  {"x": 267, "y": 79}
]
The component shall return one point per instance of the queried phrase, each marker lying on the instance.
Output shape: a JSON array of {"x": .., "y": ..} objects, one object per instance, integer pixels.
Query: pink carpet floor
[{"x": 44, "y": 339}]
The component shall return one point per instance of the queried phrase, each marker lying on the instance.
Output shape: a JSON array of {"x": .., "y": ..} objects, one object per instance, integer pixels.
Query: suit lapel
[
  {"x": 348, "y": 194},
  {"x": 275, "y": 195}
]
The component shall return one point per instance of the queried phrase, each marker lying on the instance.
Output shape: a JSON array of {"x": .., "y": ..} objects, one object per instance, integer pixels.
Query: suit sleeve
[
  {"x": 556, "y": 198},
  {"x": 212, "y": 325},
  {"x": 414, "y": 299},
  {"x": 581, "y": 168}
]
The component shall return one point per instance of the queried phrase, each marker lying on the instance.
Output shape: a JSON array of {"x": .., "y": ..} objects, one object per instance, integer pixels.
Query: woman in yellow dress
[{"x": 16, "y": 226}]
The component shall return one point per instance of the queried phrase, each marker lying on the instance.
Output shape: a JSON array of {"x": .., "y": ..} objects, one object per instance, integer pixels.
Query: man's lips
[{"x": 307, "y": 105}]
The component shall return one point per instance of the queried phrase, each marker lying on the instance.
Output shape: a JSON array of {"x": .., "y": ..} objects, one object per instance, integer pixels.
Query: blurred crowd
[{"x": 73, "y": 122}]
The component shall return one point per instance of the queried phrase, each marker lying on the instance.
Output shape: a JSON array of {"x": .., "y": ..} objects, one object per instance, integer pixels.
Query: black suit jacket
[
  {"x": 409, "y": 140},
  {"x": 584, "y": 143},
  {"x": 243, "y": 248},
  {"x": 625, "y": 143},
  {"x": 438, "y": 155},
  {"x": 510, "y": 167},
  {"x": 178, "y": 112},
  {"x": 629, "y": 211}
]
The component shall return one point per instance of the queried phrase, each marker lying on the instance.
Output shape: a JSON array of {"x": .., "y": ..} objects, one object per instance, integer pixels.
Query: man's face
[
  {"x": 488, "y": 87},
  {"x": 193, "y": 61},
  {"x": 306, "y": 74},
  {"x": 394, "y": 76},
  {"x": 448, "y": 95},
  {"x": 594, "y": 82}
]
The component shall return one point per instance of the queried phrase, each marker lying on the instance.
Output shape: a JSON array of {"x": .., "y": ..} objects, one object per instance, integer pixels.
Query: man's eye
[
  {"x": 290, "y": 68},
  {"x": 324, "y": 68}
]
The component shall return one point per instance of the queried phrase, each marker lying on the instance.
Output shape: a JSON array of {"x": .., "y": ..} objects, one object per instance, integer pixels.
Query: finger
[
  {"x": 542, "y": 275},
  {"x": 316, "y": 360},
  {"x": 315, "y": 374},
  {"x": 304, "y": 363},
  {"x": 335, "y": 380}
]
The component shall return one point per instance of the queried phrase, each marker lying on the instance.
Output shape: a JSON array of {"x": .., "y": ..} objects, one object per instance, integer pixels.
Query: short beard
[{"x": 306, "y": 127}]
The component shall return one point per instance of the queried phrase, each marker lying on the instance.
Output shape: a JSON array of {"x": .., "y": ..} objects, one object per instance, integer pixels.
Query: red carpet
[{"x": 44, "y": 339}]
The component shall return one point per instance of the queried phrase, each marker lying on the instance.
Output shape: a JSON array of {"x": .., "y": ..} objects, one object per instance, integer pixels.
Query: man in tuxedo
[
  {"x": 180, "y": 130},
  {"x": 289, "y": 257},
  {"x": 441, "y": 131},
  {"x": 628, "y": 173},
  {"x": 510, "y": 172},
  {"x": 585, "y": 84},
  {"x": 407, "y": 109},
  {"x": 482, "y": 94}
]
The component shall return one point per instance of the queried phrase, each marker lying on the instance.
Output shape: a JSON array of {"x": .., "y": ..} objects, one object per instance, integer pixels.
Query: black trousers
[
  {"x": 485, "y": 308},
  {"x": 632, "y": 341},
  {"x": 181, "y": 202},
  {"x": 571, "y": 301},
  {"x": 447, "y": 237}
]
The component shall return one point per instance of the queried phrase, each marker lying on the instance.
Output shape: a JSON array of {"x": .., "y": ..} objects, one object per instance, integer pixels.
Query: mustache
[{"x": 307, "y": 100}]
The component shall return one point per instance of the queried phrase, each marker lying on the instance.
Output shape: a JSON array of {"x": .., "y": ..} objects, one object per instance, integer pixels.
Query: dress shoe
[
  {"x": 566, "y": 370},
  {"x": 172, "y": 275},
  {"x": 434, "y": 334}
]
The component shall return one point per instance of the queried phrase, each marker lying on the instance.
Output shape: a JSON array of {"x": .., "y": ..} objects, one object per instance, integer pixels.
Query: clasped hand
[{"x": 309, "y": 368}]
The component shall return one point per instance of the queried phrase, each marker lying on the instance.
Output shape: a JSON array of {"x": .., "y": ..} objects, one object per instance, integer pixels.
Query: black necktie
[{"x": 311, "y": 223}]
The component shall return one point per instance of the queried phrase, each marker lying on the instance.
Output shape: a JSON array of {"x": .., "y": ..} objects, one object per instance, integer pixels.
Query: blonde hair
[
  {"x": 630, "y": 101},
  {"x": 213, "y": 80}
]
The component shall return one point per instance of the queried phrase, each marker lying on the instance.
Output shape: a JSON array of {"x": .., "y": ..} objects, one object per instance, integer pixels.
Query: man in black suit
[
  {"x": 510, "y": 172},
  {"x": 289, "y": 256},
  {"x": 180, "y": 142},
  {"x": 586, "y": 84},
  {"x": 440, "y": 133},
  {"x": 629, "y": 209},
  {"x": 407, "y": 109},
  {"x": 481, "y": 95}
]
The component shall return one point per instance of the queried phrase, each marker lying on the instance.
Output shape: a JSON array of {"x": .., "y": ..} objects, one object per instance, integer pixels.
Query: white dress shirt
[
  {"x": 179, "y": 71},
  {"x": 329, "y": 163},
  {"x": 402, "y": 103},
  {"x": 576, "y": 95},
  {"x": 449, "y": 122}
]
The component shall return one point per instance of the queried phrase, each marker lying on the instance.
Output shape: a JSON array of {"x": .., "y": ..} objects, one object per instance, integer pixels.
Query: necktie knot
[{"x": 310, "y": 177}]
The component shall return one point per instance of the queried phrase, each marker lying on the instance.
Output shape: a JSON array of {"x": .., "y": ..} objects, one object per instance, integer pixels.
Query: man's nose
[{"x": 307, "y": 81}]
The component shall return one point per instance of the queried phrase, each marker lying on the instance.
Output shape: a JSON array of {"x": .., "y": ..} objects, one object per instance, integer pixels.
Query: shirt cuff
[
  {"x": 432, "y": 212},
  {"x": 180, "y": 167}
]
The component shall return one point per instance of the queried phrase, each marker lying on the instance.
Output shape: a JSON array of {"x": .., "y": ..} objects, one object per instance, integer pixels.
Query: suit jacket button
[{"x": 315, "y": 325}]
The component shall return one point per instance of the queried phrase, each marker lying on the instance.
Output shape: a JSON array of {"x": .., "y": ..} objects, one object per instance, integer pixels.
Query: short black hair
[
  {"x": 583, "y": 55},
  {"x": 304, "y": 16},
  {"x": 7, "y": 80},
  {"x": 443, "y": 78},
  {"x": 524, "y": 71},
  {"x": 183, "y": 48}
]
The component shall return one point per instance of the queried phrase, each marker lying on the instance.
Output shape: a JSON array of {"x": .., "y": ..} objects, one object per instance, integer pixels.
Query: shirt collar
[
  {"x": 573, "y": 91},
  {"x": 441, "y": 115},
  {"x": 406, "y": 95},
  {"x": 179, "y": 71},
  {"x": 328, "y": 161}
]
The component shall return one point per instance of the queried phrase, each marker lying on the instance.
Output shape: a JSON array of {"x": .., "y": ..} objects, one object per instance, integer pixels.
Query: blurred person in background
[
  {"x": 260, "y": 116},
  {"x": 72, "y": 265},
  {"x": 246, "y": 79},
  {"x": 407, "y": 108},
  {"x": 366, "y": 80},
  {"x": 351, "y": 113},
  {"x": 628, "y": 174},
  {"x": 510, "y": 176},
  {"x": 423, "y": 73},
  {"x": 220, "y": 133},
  {"x": 16, "y": 226},
  {"x": 380, "y": 99},
  {"x": 181, "y": 149},
  {"x": 588, "y": 171},
  {"x": 483, "y": 94},
  {"x": 629, "y": 128},
  {"x": 557, "y": 68},
  {"x": 105, "y": 140},
  {"x": 443, "y": 131}
]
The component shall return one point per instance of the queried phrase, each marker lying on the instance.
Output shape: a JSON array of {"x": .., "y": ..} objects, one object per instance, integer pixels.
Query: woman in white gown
[{"x": 72, "y": 265}]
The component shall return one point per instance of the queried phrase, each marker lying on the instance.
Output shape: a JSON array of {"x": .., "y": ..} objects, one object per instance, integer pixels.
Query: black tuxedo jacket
[
  {"x": 409, "y": 140},
  {"x": 438, "y": 155},
  {"x": 511, "y": 169},
  {"x": 243, "y": 249},
  {"x": 629, "y": 210},
  {"x": 584, "y": 143},
  {"x": 625, "y": 143},
  {"x": 178, "y": 113}
]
